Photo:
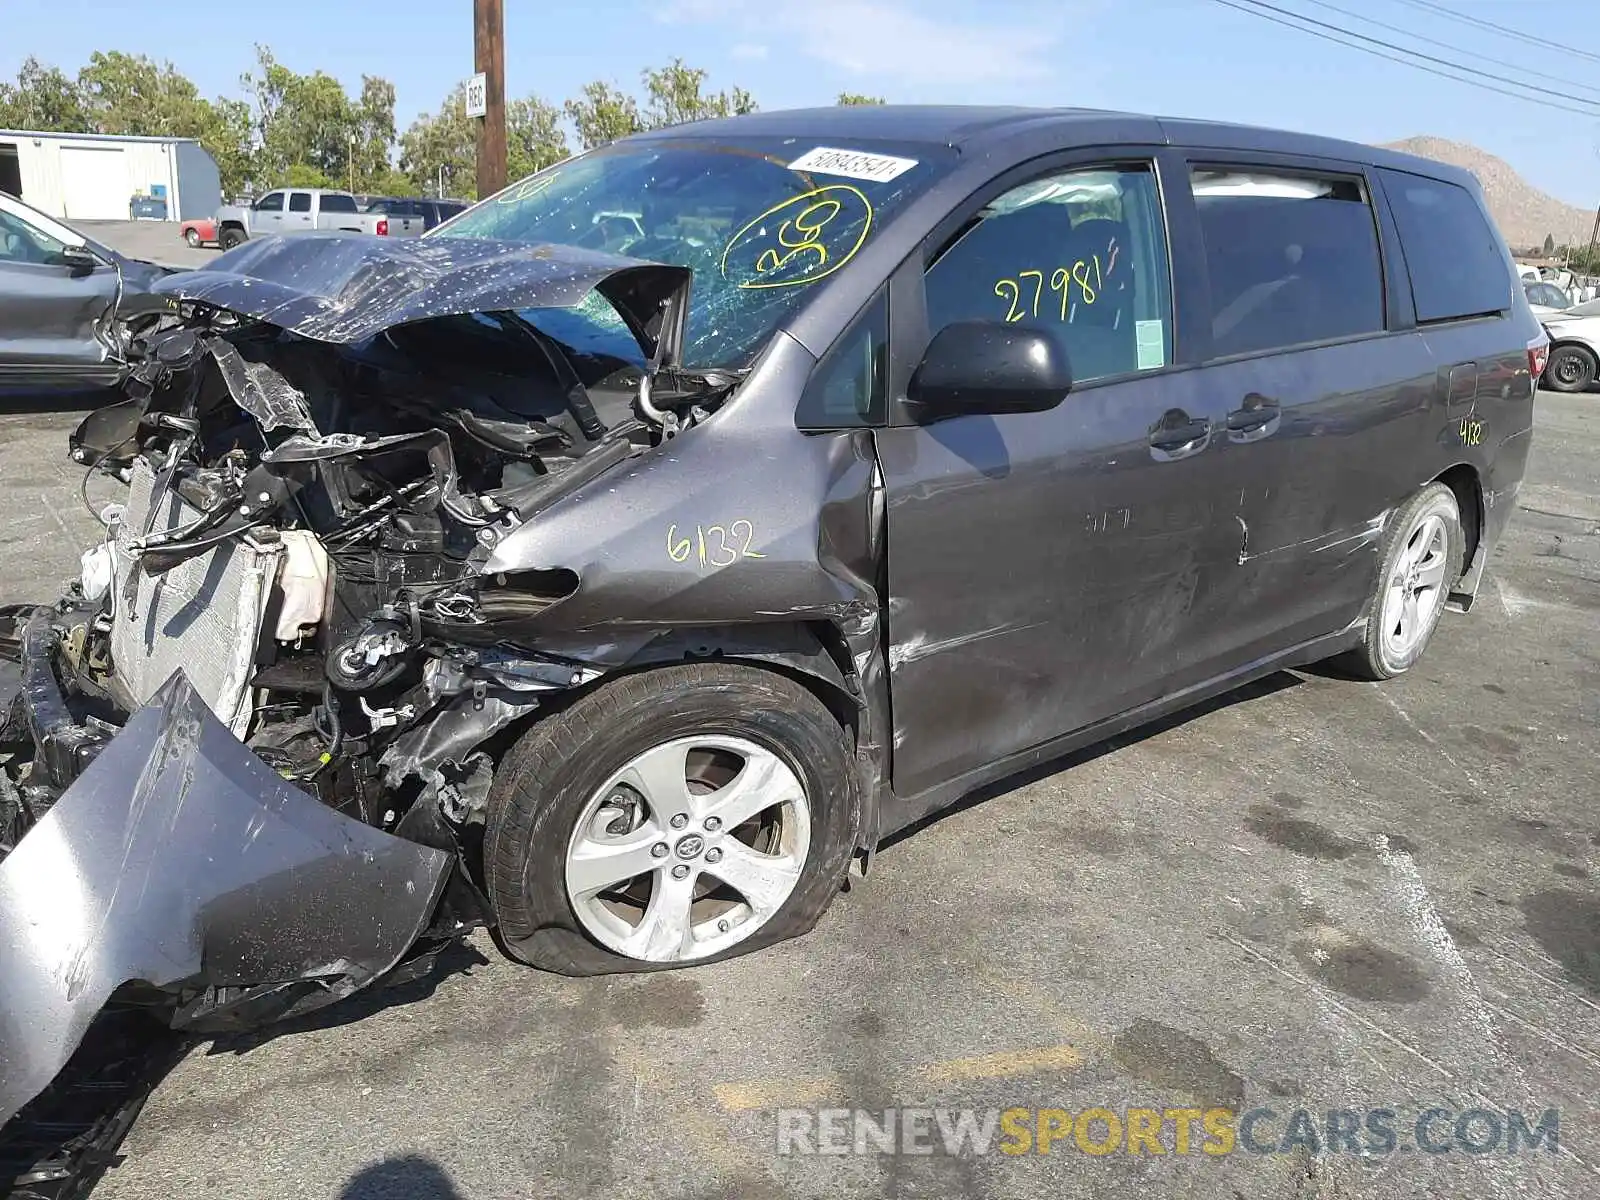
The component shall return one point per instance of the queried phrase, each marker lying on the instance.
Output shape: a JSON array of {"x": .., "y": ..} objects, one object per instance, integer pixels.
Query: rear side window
[
  {"x": 340, "y": 204},
  {"x": 1457, "y": 266},
  {"x": 299, "y": 201},
  {"x": 1292, "y": 258}
]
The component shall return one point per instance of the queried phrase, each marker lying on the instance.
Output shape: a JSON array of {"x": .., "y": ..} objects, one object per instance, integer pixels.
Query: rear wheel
[
  {"x": 674, "y": 816},
  {"x": 231, "y": 237},
  {"x": 1570, "y": 369},
  {"x": 1422, "y": 559},
  {"x": 192, "y": 236}
]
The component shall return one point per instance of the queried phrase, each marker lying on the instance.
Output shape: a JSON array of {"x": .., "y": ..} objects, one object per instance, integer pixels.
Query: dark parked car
[
  {"x": 501, "y": 576},
  {"x": 432, "y": 212},
  {"x": 60, "y": 295}
]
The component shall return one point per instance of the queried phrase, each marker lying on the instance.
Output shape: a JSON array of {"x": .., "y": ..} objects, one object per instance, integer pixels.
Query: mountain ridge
[{"x": 1524, "y": 213}]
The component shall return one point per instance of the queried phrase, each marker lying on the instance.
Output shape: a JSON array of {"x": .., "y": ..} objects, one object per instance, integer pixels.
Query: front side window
[
  {"x": 271, "y": 202},
  {"x": 1457, "y": 266},
  {"x": 20, "y": 242},
  {"x": 1292, "y": 258},
  {"x": 761, "y": 221},
  {"x": 850, "y": 384},
  {"x": 1082, "y": 254},
  {"x": 299, "y": 201}
]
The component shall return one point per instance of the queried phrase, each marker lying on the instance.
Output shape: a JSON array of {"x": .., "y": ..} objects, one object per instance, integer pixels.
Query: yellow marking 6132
[{"x": 713, "y": 545}]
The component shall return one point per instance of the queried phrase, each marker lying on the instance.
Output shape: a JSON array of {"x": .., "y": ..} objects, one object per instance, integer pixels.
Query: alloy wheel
[
  {"x": 1415, "y": 590},
  {"x": 688, "y": 849}
]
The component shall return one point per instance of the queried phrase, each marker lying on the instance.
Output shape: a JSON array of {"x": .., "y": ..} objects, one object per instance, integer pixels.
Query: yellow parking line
[
  {"x": 804, "y": 1091},
  {"x": 794, "y": 1092},
  {"x": 1003, "y": 1065}
]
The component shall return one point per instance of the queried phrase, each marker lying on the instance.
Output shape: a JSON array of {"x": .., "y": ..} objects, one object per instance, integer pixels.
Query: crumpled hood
[{"x": 346, "y": 287}]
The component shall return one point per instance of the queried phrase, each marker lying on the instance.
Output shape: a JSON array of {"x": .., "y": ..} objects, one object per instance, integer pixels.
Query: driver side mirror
[
  {"x": 989, "y": 367},
  {"x": 79, "y": 259}
]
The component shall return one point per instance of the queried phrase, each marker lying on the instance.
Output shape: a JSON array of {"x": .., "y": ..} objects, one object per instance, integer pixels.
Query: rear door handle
[
  {"x": 1257, "y": 418},
  {"x": 1178, "y": 435}
]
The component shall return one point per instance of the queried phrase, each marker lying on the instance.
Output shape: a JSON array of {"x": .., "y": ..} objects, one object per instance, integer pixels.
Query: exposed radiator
[{"x": 204, "y": 616}]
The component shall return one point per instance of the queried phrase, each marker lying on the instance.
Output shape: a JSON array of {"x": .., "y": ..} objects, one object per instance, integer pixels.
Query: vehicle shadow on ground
[
  {"x": 458, "y": 957},
  {"x": 1278, "y": 681},
  {"x": 411, "y": 1176}
]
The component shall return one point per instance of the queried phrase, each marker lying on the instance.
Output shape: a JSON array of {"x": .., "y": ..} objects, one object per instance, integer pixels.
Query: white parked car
[
  {"x": 1574, "y": 361},
  {"x": 1546, "y": 299}
]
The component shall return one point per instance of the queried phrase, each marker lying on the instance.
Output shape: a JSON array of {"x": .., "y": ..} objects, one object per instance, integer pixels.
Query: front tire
[
  {"x": 675, "y": 816},
  {"x": 192, "y": 236},
  {"x": 1422, "y": 560},
  {"x": 1570, "y": 369},
  {"x": 232, "y": 237}
]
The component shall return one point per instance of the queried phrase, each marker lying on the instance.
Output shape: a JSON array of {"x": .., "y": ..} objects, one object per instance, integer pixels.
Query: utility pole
[
  {"x": 489, "y": 55},
  {"x": 1594, "y": 235}
]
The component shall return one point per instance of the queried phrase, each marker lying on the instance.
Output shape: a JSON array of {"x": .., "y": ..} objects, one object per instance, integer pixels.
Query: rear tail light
[
  {"x": 1538, "y": 355},
  {"x": 383, "y": 231}
]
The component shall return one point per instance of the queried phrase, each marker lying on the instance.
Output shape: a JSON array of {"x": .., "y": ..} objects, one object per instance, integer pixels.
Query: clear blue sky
[{"x": 1179, "y": 57}]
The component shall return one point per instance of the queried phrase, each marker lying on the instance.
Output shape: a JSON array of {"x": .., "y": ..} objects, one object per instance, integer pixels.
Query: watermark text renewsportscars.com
[{"x": 1149, "y": 1132}]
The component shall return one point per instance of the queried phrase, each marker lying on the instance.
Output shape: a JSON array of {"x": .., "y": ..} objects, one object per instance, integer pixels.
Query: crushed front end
[{"x": 244, "y": 760}]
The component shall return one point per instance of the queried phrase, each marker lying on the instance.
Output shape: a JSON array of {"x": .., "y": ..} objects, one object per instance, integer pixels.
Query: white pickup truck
[{"x": 302, "y": 210}]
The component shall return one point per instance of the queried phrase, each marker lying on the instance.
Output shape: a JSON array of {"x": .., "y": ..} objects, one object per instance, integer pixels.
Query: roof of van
[{"x": 967, "y": 126}]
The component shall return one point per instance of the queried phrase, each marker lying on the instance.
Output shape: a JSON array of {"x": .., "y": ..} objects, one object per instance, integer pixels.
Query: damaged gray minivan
[{"x": 620, "y": 562}]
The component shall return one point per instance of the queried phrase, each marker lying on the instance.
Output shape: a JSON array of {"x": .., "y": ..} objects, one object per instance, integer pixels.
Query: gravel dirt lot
[{"x": 1312, "y": 894}]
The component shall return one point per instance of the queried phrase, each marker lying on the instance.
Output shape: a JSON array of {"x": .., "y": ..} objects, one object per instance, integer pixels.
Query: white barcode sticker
[{"x": 852, "y": 164}]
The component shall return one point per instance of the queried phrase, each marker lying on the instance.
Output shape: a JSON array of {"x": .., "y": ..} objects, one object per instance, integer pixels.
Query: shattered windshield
[{"x": 758, "y": 220}]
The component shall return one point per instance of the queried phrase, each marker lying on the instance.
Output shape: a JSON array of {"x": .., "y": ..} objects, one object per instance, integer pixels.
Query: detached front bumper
[{"x": 179, "y": 862}]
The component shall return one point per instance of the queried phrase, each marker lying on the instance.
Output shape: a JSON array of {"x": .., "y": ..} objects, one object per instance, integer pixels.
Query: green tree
[
  {"x": 310, "y": 121},
  {"x": 128, "y": 94},
  {"x": 374, "y": 134},
  {"x": 603, "y": 114},
  {"x": 674, "y": 97},
  {"x": 1549, "y": 244},
  {"x": 43, "y": 98},
  {"x": 851, "y": 98},
  {"x": 534, "y": 139},
  {"x": 448, "y": 139},
  {"x": 443, "y": 146}
]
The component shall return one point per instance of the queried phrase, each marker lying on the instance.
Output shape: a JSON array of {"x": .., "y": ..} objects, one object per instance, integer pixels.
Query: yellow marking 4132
[{"x": 1471, "y": 432}]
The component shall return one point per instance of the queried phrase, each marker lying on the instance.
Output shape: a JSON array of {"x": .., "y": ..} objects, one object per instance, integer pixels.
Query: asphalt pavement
[
  {"x": 152, "y": 241},
  {"x": 1311, "y": 895}
]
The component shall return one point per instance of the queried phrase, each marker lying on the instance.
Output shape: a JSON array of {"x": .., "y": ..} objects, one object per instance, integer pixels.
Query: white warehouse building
[{"x": 91, "y": 176}]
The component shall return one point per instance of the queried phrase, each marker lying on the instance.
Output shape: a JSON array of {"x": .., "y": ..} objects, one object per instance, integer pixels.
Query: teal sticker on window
[{"x": 1151, "y": 339}]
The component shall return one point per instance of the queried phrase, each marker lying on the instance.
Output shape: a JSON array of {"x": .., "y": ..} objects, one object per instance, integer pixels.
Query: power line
[
  {"x": 1479, "y": 22},
  {"x": 1403, "y": 61},
  {"x": 1429, "y": 41},
  {"x": 1443, "y": 62}
]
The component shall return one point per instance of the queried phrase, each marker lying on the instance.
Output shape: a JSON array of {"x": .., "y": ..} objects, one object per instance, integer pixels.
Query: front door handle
[
  {"x": 1178, "y": 435},
  {"x": 1256, "y": 418}
]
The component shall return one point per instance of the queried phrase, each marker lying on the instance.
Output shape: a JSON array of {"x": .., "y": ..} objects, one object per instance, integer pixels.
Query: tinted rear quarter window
[
  {"x": 1292, "y": 258},
  {"x": 338, "y": 204},
  {"x": 299, "y": 202},
  {"x": 1457, "y": 265}
]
